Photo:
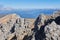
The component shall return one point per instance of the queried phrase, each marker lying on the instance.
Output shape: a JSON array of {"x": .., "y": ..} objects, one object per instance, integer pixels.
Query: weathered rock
[{"x": 52, "y": 31}]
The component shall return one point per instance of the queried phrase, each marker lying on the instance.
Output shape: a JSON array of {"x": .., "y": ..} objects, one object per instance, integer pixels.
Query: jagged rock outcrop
[
  {"x": 47, "y": 27},
  {"x": 12, "y": 27}
]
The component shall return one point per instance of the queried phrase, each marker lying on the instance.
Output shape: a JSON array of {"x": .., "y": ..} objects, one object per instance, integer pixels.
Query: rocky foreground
[{"x": 45, "y": 27}]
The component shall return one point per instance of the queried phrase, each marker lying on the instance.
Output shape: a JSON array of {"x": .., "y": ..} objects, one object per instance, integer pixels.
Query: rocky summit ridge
[{"x": 44, "y": 27}]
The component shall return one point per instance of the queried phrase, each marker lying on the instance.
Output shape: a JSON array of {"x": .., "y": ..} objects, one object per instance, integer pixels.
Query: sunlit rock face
[
  {"x": 13, "y": 27},
  {"x": 7, "y": 26},
  {"x": 52, "y": 31}
]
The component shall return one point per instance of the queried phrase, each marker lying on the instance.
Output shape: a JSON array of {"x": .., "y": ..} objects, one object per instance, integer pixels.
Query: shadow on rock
[
  {"x": 40, "y": 35},
  {"x": 57, "y": 20}
]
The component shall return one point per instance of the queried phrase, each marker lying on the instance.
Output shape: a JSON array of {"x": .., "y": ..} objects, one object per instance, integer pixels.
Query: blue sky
[{"x": 30, "y": 4}]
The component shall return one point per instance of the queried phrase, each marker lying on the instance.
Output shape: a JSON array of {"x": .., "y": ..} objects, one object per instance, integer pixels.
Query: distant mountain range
[{"x": 30, "y": 13}]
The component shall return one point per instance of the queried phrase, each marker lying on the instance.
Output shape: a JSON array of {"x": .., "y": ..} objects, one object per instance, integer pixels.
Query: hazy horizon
[
  {"x": 30, "y": 4},
  {"x": 29, "y": 8}
]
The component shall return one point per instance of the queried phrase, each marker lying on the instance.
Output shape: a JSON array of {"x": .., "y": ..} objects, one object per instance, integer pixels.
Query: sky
[{"x": 30, "y": 4}]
